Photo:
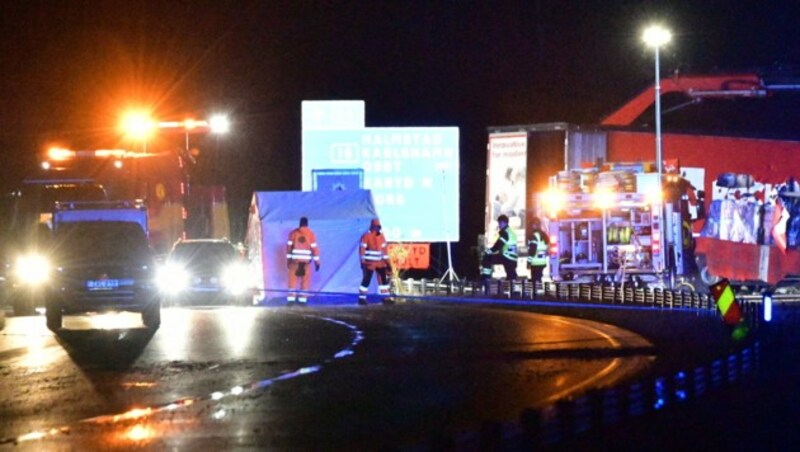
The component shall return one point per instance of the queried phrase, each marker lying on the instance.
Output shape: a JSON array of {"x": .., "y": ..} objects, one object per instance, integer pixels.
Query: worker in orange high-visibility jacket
[
  {"x": 374, "y": 259},
  {"x": 301, "y": 252}
]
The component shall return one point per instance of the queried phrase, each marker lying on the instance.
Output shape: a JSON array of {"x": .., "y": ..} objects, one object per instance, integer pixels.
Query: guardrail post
[
  {"x": 746, "y": 361},
  {"x": 699, "y": 381},
  {"x": 574, "y": 292},
  {"x": 715, "y": 377},
  {"x": 585, "y": 292},
  {"x": 732, "y": 367},
  {"x": 658, "y": 297},
  {"x": 627, "y": 296},
  {"x": 596, "y": 293},
  {"x": 635, "y": 399},
  {"x": 582, "y": 415},
  {"x": 611, "y": 410}
]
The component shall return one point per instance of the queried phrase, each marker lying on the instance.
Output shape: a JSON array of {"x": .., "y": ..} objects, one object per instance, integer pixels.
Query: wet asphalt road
[{"x": 289, "y": 378}]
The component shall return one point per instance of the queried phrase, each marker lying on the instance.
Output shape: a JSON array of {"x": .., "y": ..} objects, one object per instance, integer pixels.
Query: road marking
[
  {"x": 615, "y": 363},
  {"x": 236, "y": 391}
]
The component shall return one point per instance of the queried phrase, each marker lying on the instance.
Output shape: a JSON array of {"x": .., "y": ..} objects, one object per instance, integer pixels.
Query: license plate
[{"x": 102, "y": 284}]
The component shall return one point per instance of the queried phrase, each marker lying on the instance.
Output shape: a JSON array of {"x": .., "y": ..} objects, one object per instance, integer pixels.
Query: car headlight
[
  {"x": 236, "y": 278},
  {"x": 172, "y": 278},
  {"x": 32, "y": 269}
]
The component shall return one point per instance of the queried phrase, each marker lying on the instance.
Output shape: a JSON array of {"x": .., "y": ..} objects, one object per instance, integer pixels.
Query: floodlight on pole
[
  {"x": 656, "y": 36},
  {"x": 220, "y": 124}
]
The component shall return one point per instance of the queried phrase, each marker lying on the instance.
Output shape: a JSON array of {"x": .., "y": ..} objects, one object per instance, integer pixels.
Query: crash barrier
[
  {"x": 574, "y": 292},
  {"x": 597, "y": 410}
]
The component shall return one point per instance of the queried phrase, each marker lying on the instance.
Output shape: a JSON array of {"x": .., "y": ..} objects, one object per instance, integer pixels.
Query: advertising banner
[{"x": 505, "y": 187}]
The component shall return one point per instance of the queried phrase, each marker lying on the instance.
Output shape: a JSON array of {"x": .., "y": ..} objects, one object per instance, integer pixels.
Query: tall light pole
[
  {"x": 219, "y": 125},
  {"x": 656, "y": 36}
]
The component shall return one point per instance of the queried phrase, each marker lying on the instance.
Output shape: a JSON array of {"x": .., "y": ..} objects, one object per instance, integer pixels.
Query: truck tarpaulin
[{"x": 338, "y": 219}]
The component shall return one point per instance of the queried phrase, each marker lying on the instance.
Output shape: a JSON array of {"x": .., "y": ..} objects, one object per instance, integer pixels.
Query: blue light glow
[
  {"x": 767, "y": 300},
  {"x": 680, "y": 386},
  {"x": 660, "y": 394}
]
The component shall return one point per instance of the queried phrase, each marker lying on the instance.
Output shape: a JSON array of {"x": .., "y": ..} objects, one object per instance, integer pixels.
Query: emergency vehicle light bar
[
  {"x": 93, "y": 205},
  {"x": 61, "y": 154}
]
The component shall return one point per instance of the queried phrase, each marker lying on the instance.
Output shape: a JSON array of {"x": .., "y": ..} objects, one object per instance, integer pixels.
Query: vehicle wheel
[
  {"x": 151, "y": 316},
  {"x": 54, "y": 317},
  {"x": 685, "y": 286},
  {"x": 707, "y": 277}
]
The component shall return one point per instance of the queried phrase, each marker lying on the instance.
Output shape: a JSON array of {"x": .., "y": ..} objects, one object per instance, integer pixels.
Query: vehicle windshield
[
  {"x": 208, "y": 254},
  {"x": 45, "y": 196},
  {"x": 101, "y": 241}
]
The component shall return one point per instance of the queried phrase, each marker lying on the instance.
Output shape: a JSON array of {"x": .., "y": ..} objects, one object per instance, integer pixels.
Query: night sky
[{"x": 69, "y": 68}]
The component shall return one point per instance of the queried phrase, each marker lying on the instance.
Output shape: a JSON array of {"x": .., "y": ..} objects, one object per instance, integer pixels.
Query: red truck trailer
[{"x": 712, "y": 125}]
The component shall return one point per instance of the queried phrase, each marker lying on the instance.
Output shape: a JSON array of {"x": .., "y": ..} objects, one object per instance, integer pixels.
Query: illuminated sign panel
[
  {"x": 412, "y": 172},
  {"x": 333, "y": 114}
]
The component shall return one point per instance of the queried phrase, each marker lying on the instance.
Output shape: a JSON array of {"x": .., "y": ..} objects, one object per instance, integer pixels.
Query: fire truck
[
  {"x": 176, "y": 208},
  {"x": 615, "y": 224},
  {"x": 159, "y": 181},
  {"x": 712, "y": 125}
]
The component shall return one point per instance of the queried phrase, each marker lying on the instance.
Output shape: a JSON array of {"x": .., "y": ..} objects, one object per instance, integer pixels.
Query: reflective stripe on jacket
[
  {"x": 373, "y": 251},
  {"x": 506, "y": 244},
  {"x": 537, "y": 249},
  {"x": 302, "y": 245}
]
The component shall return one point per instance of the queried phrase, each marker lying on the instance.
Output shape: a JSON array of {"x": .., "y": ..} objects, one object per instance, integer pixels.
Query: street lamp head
[
  {"x": 656, "y": 36},
  {"x": 219, "y": 124}
]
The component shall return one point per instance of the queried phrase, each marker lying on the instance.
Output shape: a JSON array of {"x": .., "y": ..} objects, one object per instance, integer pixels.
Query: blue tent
[{"x": 338, "y": 218}]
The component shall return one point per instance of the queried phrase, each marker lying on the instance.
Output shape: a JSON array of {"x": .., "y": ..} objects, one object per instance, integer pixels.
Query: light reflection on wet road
[{"x": 260, "y": 377}]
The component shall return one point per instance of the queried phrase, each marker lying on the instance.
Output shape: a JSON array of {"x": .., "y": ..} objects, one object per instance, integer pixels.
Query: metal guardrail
[
  {"x": 591, "y": 412},
  {"x": 586, "y": 293},
  {"x": 595, "y": 410}
]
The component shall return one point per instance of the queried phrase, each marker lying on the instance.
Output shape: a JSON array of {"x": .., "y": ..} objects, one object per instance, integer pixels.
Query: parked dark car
[
  {"x": 101, "y": 266},
  {"x": 205, "y": 271}
]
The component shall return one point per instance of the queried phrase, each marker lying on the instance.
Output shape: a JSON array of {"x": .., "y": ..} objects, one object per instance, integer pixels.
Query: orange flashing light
[
  {"x": 60, "y": 154},
  {"x": 553, "y": 248},
  {"x": 118, "y": 153},
  {"x": 138, "y": 125}
]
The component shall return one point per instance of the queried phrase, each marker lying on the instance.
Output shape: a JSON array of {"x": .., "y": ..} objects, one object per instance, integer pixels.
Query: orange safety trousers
[{"x": 305, "y": 280}]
